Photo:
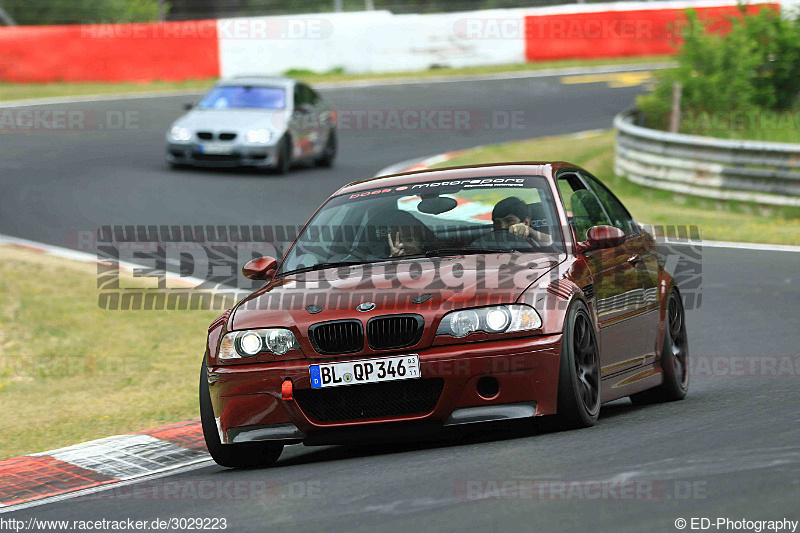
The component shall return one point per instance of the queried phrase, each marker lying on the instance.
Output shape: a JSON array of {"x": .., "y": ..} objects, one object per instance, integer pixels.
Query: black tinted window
[{"x": 620, "y": 217}]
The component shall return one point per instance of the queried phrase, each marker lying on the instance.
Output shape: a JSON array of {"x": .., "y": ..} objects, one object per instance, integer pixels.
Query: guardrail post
[{"x": 675, "y": 112}]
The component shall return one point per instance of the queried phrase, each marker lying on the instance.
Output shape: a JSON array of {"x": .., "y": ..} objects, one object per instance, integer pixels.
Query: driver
[{"x": 512, "y": 214}]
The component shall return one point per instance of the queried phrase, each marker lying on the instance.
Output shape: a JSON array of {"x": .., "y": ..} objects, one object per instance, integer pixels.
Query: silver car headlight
[
  {"x": 259, "y": 136},
  {"x": 178, "y": 133},
  {"x": 249, "y": 343},
  {"x": 497, "y": 319}
]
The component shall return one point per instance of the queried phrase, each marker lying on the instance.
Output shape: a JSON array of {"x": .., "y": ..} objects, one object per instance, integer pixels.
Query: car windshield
[
  {"x": 244, "y": 97},
  {"x": 469, "y": 216}
]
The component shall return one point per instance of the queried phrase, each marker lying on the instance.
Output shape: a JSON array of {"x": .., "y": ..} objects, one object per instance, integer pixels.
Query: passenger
[{"x": 409, "y": 236}]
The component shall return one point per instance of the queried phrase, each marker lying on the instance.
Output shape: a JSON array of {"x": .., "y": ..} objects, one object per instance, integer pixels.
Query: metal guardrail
[{"x": 749, "y": 171}]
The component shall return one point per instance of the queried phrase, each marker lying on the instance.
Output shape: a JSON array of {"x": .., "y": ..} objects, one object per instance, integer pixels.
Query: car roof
[
  {"x": 259, "y": 81},
  {"x": 548, "y": 169}
]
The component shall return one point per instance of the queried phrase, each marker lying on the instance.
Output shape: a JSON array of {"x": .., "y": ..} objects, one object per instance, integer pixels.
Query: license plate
[
  {"x": 215, "y": 148},
  {"x": 364, "y": 371}
]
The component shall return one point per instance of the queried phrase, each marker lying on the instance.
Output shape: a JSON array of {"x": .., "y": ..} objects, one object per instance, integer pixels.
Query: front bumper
[
  {"x": 248, "y": 404},
  {"x": 239, "y": 156}
]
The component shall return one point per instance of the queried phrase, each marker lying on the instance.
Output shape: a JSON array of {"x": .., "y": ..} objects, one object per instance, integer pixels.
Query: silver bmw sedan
[{"x": 264, "y": 122}]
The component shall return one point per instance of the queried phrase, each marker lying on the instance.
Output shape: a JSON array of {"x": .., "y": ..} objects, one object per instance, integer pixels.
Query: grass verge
[
  {"x": 71, "y": 372},
  {"x": 717, "y": 220},
  {"x": 17, "y": 91}
]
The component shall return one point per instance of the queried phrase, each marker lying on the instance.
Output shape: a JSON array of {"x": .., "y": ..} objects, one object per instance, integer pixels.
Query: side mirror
[
  {"x": 188, "y": 105},
  {"x": 600, "y": 237},
  {"x": 260, "y": 268}
]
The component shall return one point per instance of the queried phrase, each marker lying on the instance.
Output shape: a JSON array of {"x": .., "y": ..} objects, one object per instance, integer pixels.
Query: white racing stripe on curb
[
  {"x": 85, "y": 257},
  {"x": 125, "y": 457},
  {"x": 747, "y": 246}
]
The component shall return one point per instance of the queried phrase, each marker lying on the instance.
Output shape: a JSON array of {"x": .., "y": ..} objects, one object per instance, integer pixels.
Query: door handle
[{"x": 634, "y": 259}]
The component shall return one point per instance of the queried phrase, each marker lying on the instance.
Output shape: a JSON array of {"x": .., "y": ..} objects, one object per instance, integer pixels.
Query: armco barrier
[{"x": 749, "y": 171}]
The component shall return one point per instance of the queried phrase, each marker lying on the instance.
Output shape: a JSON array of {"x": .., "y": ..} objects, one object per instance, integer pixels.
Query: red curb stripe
[
  {"x": 23, "y": 479},
  {"x": 188, "y": 434}
]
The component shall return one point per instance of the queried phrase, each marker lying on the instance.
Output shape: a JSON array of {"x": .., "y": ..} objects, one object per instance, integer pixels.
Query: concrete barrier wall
[{"x": 372, "y": 41}]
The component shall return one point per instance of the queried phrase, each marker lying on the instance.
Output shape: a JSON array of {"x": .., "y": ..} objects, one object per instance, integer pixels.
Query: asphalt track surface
[{"x": 731, "y": 449}]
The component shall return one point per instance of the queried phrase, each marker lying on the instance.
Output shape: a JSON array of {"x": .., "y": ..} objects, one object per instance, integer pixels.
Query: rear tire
[
  {"x": 579, "y": 374},
  {"x": 674, "y": 358},
  {"x": 247, "y": 455},
  {"x": 329, "y": 152}
]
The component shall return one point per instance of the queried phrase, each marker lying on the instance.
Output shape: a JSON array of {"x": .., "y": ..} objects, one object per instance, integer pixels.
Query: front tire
[
  {"x": 284, "y": 156},
  {"x": 579, "y": 374},
  {"x": 247, "y": 455},
  {"x": 329, "y": 152},
  {"x": 674, "y": 358}
]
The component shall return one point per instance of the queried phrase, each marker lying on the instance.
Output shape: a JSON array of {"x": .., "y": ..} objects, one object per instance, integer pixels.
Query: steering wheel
[{"x": 499, "y": 236}]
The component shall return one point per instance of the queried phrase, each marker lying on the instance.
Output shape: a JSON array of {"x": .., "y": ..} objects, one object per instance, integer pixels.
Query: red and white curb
[{"x": 84, "y": 468}]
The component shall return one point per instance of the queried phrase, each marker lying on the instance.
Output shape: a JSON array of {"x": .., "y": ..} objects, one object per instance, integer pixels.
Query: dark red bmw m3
[{"x": 440, "y": 298}]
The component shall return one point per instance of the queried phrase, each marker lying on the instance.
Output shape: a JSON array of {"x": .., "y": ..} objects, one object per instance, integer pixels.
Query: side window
[
  {"x": 582, "y": 206},
  {"x": 620, "y": 217},
  {"x": 313, "y": 96},
  {"x": 300, "y": 96},
  {"x": 303, "y": 94}
]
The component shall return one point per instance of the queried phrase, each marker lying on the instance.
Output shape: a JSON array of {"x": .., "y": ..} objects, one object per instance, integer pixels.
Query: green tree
[{"x": 756, "y": 66}]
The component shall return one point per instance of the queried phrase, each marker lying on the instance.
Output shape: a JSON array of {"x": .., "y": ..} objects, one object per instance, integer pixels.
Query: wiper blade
[
  {"x": 321, "y": 266},
  {"x": 469, "y": 251}
]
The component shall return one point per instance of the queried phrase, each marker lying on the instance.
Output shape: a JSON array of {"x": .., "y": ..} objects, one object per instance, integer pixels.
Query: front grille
[
  {"x": 205, "y": 135},
  {"x": 397, "y": 331},
  {"x": 227, "y": 136},
  {"x": 372, "y": 400},
  {"x": 337, "y": 337},
  {"x": 215, "y": 157}
]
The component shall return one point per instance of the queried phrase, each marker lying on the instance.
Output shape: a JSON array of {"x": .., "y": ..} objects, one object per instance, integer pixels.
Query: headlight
[
  {"x": 240, "y": 344},
  {"x": 178, "y": 133},
  {"x": 498, "y": 319},
  {"x": 259, "y": 136}
]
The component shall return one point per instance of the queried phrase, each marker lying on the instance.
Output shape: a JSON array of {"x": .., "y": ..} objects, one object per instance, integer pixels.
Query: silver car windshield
[
  {"x": 244, "y": 97},
  {"x": 506, "y": 214}
]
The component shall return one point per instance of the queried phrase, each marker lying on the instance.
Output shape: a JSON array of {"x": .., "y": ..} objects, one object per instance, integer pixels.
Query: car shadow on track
[
  {"x": 440, "y": 439},
  {"x": 465, "y": 436},
  {"x": 302, "y": 168}
]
